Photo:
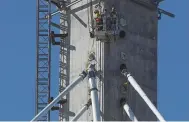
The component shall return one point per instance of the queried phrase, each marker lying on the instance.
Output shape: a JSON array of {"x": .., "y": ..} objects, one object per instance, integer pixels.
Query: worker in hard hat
[
  {"x": 97, "y": 14},
  {"x": 106, "y": 20},
  {"x": 126, "y": 83},
  {"x": 98, "y": 19},
  {"x": 124, "y": 87}
]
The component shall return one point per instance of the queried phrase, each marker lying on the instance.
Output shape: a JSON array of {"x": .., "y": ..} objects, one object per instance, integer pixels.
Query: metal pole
[
  {"x": 49, "y": 54},
  {"x": 63, "y": 93},
  {"x": 141, "y": 92},
  {"x": 85, "y": 107},
  {"x": 128, "y": 110},
  {"x": 74, "y": 2},
  {"x": 94, "y": 95},
  {"x": 59, "y": 11}
]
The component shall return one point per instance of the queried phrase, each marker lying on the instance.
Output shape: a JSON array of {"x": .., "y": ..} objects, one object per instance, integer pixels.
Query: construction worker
[
  {"x": 54, "y": 107},
  {"x": 113, "y": 12},
  {"x": 126, "y": 83},
  {"x": 51, "y": 99},
  {"x": 113, "y": 15},
  {"x": 98, "y": 19},
  {"x": 59, "y": 102},
  {"x": 107, "y": 19},
  {"x": 125, "y": 86}
]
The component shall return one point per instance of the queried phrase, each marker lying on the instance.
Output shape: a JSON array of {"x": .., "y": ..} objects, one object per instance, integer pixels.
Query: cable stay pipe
[
  {"x": 94, "y": 95},
  {"x": 128, "y": 110},
  {"x": 79, "y": 114},
  {"x": 141, "y": 92},
  {"x": 82, "y": 110},
  {"x": 62, "y": 94}
]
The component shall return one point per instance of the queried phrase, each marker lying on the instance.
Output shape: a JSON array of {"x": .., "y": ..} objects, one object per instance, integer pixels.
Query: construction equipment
[
  {"x": 161, "y": 11},
  {"x": 107, "y": 26},
  {"x": 132, "y": 81}
]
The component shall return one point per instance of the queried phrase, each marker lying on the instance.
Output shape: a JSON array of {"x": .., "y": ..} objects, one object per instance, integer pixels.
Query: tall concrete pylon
[{"x": 138, "y": 49}]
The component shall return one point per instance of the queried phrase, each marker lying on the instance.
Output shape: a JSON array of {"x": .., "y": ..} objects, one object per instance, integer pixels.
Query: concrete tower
[{"x": 138, "y": 49}]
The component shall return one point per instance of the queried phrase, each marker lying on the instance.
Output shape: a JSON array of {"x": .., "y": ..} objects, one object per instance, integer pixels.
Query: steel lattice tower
[{"x": 43, "y": 47}]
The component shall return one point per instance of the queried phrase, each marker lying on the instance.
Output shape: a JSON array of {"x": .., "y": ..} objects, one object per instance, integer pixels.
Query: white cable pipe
[
  {"x": 133, "y": 82},
  {"x": 130, "y": 112},
  {"x": 94, "y": 96},
  {"x": 144, "y": 96},
  {"x": 85, "y": 107}
]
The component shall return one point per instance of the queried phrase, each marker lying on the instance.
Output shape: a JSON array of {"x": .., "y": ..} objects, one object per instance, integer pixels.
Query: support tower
[
  {"x": 111, "y": 33},
  {"x": 138, "y": 49}
]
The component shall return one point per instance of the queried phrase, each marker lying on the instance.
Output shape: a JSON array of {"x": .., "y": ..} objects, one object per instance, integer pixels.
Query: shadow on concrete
[
  {"x": 80, "y": 20},
  {"x": 81, "y": 8}
]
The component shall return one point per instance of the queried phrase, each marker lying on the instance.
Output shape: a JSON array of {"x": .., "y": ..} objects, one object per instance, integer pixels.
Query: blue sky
[
  {"x": 17, "y": 62},
  {"x": 174, "y": 61}
]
